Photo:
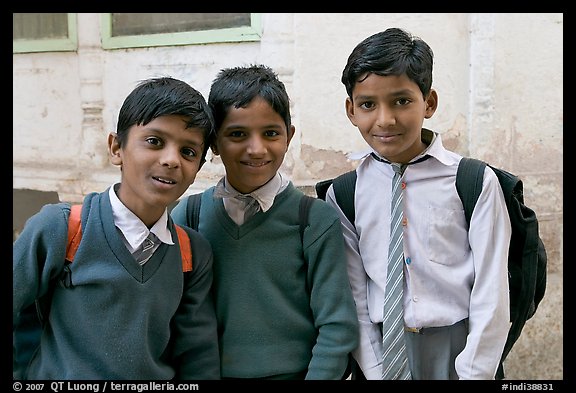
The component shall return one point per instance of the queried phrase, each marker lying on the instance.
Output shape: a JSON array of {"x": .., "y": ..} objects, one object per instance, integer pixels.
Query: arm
[
  {"x": 331, "y": 299},
  {"x": 489, "y": 313},
  {"x": 38, "y": 255},
  {"x": 369, "y": 352},
  {"x": 37, "y": 259},
  {"x": 196, "y": 342}
]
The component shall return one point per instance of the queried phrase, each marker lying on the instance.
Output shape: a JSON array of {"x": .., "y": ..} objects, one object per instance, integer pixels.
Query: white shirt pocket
[{"x": 447, "y": 236}]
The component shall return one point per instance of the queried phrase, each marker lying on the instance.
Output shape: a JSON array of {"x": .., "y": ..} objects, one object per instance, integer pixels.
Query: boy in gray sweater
[{"x": 111, "y": 315}]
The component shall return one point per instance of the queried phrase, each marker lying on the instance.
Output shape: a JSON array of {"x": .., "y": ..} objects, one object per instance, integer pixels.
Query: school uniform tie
[
  {"x": 251, "y": 205},
  {"x": 146, "y": 249},
  {"x": 395, "y": 362}
]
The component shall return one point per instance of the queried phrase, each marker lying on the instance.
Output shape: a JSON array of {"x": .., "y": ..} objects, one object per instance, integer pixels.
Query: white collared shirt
[
  {"x": 454, "y": 273},
  {"x": 133, "y": 229},
  {"x": 265, "y": 196}
]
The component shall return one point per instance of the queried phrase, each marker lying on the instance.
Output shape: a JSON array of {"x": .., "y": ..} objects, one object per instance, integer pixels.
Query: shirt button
[
  {"x": 408, "y": 261},
  {"x": 403, "y": 185},
  {"x": 415, "y": 298},
  {"x": 404, "y": 221}
]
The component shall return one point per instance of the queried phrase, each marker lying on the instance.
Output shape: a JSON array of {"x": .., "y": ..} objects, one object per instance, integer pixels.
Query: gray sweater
[
  {"x": 117, "y": 320},
  {"x": 284, "y": 305}
]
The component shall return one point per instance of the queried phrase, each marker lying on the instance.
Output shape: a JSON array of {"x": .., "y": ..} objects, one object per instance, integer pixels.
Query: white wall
[{"x": 499, "y": 78}]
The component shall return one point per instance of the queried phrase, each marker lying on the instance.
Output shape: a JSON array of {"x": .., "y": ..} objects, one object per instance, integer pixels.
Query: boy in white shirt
[{"x": 455, "y": 300}]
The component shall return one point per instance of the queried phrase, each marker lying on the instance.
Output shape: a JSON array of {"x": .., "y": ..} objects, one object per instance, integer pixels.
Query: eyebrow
[
  {"x": 188, "y": 141},
  {"x": 397, "y": 93},
  {"x": 271, "y": 125}
]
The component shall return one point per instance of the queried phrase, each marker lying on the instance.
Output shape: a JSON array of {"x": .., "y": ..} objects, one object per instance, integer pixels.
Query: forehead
[
  {"x": 258, "y": 110},
  {"x": 373, "y": 84},
  {"x": 169, "y": 126}
]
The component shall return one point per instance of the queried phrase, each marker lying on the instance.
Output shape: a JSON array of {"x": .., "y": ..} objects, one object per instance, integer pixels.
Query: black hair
[
  {"x": 238, "y": 86},
  {"x": 163, "y": 96},
  {"x": 390, "y": 52}
]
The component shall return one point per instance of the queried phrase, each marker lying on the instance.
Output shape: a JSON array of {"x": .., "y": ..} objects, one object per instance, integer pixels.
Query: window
[
  {"x": 44, "y": 32},
  {"x": 124, "y": 30}
]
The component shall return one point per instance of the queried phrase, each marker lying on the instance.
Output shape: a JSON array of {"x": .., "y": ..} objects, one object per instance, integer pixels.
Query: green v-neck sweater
[
  {"x": 283, "y": 305},
  {"x": 115, "y": 319}
]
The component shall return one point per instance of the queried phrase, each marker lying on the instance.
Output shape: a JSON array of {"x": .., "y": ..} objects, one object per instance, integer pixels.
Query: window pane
[
  {"x": 124, "y": 24},
  {"x": 31, "y": 26}
]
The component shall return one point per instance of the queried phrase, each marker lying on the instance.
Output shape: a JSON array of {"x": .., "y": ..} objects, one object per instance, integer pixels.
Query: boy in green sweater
[
  {"x": 284, "y": 305},
  {"x": 114, "y": 315}
]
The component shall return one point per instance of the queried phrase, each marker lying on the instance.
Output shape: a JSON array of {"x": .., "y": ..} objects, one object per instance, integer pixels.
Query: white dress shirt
[
  {"x": 133, "y": 229},
  {"x": 264, "y": 196},
  {"x": 453, "y": 273}
]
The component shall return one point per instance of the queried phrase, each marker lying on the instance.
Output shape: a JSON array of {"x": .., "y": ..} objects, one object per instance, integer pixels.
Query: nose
[
  {"x": 256, "y": 145},
  {"x": 170, "y": 157},
  {"x": 385, "y": 117}
]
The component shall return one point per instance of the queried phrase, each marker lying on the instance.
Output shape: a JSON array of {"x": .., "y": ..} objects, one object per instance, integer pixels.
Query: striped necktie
[
  {"x": 251, "y": 205},
  {"x": 395, "y": 361},
  {"x": 146, "y": 249}
]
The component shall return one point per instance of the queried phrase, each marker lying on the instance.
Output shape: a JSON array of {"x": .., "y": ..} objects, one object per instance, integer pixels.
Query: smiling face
[
  {"x": 389, "y": 112},
  {"x": 252, "y": 142},
  {"x": 159, "y": 161}
]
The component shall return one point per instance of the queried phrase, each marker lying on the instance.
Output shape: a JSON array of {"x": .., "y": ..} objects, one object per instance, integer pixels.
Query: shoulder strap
[
  {"x": 185, "y": 249},
  {"x": 305, "y": 205},
  {"x": 193, "y": 210},
  {"x": 322, "y": 187},
  {"x": 469, "y": 179},
  {"x": 74, "y": 232},
  {"x": 75, "y": 235},
  {"x": 344, "y": 188}
]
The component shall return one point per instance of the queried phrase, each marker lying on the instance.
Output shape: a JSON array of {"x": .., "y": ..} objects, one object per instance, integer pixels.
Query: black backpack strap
[
  {"x": 305, "y": 205},
  {"x": 344, "y": 188},
  {"x": 469, "y": 179},
  {"x": 322, "y": 187},
  {"x": 193, "y": 210}
]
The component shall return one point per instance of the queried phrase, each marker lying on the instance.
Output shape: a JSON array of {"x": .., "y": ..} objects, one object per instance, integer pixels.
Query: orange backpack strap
[
  {"x": 75, "y": 235},
  {"x": 185, "y": 249},
  {"x": 74, "y": 231}
]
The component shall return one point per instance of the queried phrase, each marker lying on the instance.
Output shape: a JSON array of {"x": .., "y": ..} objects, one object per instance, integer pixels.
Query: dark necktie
[
  {"x": 146, "y": 249},
  {"x": 251, "y": 205}
]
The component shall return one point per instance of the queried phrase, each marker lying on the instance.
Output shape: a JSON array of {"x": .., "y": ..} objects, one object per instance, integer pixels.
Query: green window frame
[
  {"x": 253, "y": 32},
  {"x": 63, "y": 44}
]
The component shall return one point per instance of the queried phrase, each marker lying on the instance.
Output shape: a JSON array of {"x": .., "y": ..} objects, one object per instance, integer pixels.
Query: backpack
[
  {"x": 74, "y": 238},
  {"x": 27, "y": 333},
  {"x": 75, "y": 235},
  {"x": 527, "y": 257}
]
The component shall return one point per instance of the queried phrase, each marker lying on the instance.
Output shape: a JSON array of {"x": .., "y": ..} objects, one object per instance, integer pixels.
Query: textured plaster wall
[{"x": 499, "y": 79}]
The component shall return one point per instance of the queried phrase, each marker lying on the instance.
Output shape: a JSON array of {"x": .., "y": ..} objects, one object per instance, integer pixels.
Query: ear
[
  {"x": 291, "y": 133},
  {"x": 350, "y": 110},
  {"x": 431, "y": 104},
  {"x": 114, "y": 149}
]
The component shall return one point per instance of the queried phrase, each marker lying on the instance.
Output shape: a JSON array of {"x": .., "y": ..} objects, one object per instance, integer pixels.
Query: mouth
[
  {"x": 164, "y": 180},
  {"x": 255, "y": 164},
  {"x": 386, "y": 137}
]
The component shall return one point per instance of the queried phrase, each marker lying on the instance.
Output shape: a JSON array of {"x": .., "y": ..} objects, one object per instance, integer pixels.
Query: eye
[
  {"x": 154, "y": 141},
  {"x": 271, "y": 133},
  {"x": 402, "y": 101},
  {"x": 236, "y": 134},
  {"x": 190, "y": 153},
  {"x": 366, "y": 105}
]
